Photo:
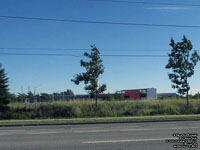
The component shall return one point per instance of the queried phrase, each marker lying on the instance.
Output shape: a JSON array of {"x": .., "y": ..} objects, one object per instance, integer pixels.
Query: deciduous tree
[
  {"x": 182, "y": 63},
  {"x": 69, "y": 92},
  {"x": 21, "y": 97},
  {"x": 94, "y": 68}
]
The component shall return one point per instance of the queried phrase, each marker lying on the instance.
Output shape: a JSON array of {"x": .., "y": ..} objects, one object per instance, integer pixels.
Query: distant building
[
  {"x": 136, "y": 94},
  {"x": 166, "y": 95},
  {"x": 133, "y": 94}
]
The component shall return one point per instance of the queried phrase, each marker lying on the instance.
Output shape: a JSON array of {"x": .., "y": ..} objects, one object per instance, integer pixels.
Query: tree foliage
[
  {"x": 182, "y": 63},
  {"x": 4, "y": 94},
  {"x": 30, "y": 97},
  {"x": 12, "y": 97},
  {"x": 94, "y": 68},
  {"x": 45, "y": 97},
  {"x": 21, "y": 97},
  {"x": 69, "y": 92}
]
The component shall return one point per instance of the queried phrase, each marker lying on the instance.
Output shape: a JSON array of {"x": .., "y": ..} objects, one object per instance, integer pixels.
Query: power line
[
  {"x": 45, "y": 49},
  {"x": 84, "y": 49},
  {"x": 100, "y": 22},
  {"x": 36, "y": 54},
  {"x": 134, "y": 55},
  {"x": 77, "y": 49},
  {"x": 148, "y": 3}
]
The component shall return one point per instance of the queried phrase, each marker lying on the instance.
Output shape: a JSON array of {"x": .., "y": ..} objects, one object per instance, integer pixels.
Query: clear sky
[{"x": 53, "y": 74}]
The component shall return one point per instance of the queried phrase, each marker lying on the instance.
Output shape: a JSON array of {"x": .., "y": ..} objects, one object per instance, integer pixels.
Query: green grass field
[{"x": 87, "y": 109}]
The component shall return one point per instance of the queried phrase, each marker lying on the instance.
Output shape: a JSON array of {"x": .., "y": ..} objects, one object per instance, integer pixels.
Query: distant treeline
[
  {"x": 69, "y": 95},
  {"x": 62, "y": 96}
]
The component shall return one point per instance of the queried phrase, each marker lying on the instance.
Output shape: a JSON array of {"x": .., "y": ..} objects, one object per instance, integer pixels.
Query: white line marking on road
[
  {"x": 179, "y": 128},
  {"x": 44, "y": 130},
  {"x": 11, "y": 132},
  {"x": 87, "y": 128},
  {"x": 163, "y": 125},
  {"x": 135, "y": 130},
  {"x": 43, "y": 133},
  {"x": 14, "y": 130},
  {"x": 196, "y": 124},
  {"x": 3, "y": 134},
  {"x": 125, "y": 127},
  {"x": 122, "y": 141},
  {"x": 90, "y": 131}
]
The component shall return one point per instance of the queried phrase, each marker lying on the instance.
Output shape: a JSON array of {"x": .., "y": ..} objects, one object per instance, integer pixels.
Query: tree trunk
[
  {"x": 187, "y": 81},
  {"x": 187, "y": 98},
  {"x": 96, "y": 97}
]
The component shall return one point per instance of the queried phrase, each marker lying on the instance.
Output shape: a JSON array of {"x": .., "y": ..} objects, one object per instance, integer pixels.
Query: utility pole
[{"x": 35, "y": 90}]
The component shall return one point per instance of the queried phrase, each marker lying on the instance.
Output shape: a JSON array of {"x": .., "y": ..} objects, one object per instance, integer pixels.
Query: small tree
[
  {"x": 182, "y": 64},
  {"x": 69, "y": 92},
  {"x": 21, "y": 97},
  {"x": 4, "y": 94},
  {"x": 45, "y": 97},
  {"x": 94, "y": 68},
  {"x": 30, "y": 97}
]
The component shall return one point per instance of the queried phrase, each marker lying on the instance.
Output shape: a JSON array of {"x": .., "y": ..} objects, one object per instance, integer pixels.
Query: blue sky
[{"x": 54, "y": 74}]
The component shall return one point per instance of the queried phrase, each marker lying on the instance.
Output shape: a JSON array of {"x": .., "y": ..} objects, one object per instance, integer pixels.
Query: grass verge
[
  {"x": 97, "y": 120},
  {"x": 87, "y": 109}
]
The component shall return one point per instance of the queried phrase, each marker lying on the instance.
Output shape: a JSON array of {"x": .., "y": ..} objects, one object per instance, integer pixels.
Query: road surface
[{"x": 119, "y": 136}]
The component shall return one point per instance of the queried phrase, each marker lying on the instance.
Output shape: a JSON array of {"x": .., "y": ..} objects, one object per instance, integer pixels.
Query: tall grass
[{"x": 83, "y": 109}]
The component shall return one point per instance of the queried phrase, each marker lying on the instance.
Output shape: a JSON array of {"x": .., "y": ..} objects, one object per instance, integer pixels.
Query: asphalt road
[{"x": 122, "y": 136}]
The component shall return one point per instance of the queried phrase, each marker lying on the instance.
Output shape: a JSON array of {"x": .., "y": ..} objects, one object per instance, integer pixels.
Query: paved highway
[{"x": 122, "y": 136}]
